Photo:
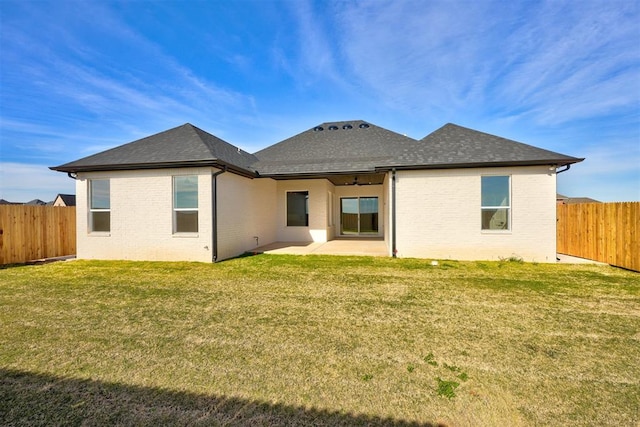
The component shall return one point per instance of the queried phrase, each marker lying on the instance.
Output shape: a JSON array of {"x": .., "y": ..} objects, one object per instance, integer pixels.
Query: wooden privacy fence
[
  {"x": 35, "y": 232},
  {"x": 605, "y": 232}
]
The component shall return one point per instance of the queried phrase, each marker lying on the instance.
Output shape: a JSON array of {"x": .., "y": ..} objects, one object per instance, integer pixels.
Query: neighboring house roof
[
  {"x": 346, "y": 147},
  {"x": 36, "y": 202},
  {"x": 181, "y": 146},
  {"x": 66, "y": 199},
  {"x": 574, "y": 200}
]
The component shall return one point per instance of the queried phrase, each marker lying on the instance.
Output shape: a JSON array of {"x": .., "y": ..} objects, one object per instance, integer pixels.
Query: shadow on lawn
[{"x": 39, "y": 399}]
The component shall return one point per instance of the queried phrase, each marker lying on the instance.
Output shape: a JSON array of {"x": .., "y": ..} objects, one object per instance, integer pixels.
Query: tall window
[
  {"x": 496, "y": 203},
  {"x": 298, "y": 209},
  {"x": 185, "y": 204},
  {"x": 99, "y": 205}
]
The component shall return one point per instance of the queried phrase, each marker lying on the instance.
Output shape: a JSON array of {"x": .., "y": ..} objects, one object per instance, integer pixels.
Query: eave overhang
[
  {"x": 550, "y": 162},
  {"x": 158, "y": 165}
]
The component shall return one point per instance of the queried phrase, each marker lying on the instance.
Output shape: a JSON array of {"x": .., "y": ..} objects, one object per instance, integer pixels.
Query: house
[
  {"x": 65, "y": 200},
  {"x": 566, "y": 200},
  {"x": 184, "y": 194}
]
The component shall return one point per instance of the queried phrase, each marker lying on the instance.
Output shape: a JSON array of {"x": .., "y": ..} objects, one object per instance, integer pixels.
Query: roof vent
[
  {"x": 318, "y": 129},
  {"x": 333, "y": 127},
  {"x": 363, "y": 125},
  {"x": 347, "y": 126}
]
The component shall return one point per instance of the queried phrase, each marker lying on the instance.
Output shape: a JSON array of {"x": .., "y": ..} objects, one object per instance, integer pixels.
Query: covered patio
[{"x": 341, "y": 246}]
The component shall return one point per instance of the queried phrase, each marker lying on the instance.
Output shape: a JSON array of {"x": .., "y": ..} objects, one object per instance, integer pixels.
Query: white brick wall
[
  {"x": 142, "y": 217},
  {"x": 438, "y": 215},
  {"x": 246, "y": 209},
  {"x": 318, "y": 229}
]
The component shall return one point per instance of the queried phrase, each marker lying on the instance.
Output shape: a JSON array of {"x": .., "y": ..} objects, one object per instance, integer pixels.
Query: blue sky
[{"x": 80, "y": 77}]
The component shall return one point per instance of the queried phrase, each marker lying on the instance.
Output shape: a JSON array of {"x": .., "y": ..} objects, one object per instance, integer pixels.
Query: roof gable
[
  {"x": 67, "y": 199},
  {"x": 180, "y": 146}
]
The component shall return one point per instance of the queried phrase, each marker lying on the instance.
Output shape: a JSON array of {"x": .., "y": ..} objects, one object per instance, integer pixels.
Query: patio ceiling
[{"x": 341, "y": 179}]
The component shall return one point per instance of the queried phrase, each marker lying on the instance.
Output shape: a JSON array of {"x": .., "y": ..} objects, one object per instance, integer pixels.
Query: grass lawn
[{"x": 321, "y": 340}]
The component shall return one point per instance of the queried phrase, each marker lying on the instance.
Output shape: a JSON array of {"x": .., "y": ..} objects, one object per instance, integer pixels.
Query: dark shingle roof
[
  {"x": 335, "y": 147},
  {"x": 457, "y": 146},
  {"x": 575, "y": 200},
  {"x": 68, "y": 199},
  {"x": 182, "y": 146},
  {"x": 329, "y": 148}
]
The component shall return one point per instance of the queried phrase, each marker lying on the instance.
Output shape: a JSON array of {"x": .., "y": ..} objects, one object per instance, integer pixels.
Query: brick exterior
[
  {"x": 246, "y": 210},
  {"x": 438, "y": 215},
  {"x": 142, "y": 217}
]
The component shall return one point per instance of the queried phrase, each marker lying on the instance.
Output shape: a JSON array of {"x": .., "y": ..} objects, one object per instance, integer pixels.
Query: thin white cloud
[
  {"x": 314, "y": 60},
  {"x": 550, "y": 62},
  {"x": 20, "y": 182},
  {"x": 58, "y": 67},
  {"x": 573, "y": 61},
  {"x": 416, "y": 53},
  {"x": 610, "y": 172}
]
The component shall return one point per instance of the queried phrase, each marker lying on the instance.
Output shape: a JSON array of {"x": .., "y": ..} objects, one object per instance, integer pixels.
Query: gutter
[
  {"x": 479, "y": 164},
  {"x": 214, "y": 212},
  {"x": 159, "y": 165}
]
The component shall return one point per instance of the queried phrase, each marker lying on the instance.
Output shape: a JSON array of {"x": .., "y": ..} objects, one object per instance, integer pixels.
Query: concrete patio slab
[
  {"x": 568, "y": 259},
  {"x": 365, "y": 247}
]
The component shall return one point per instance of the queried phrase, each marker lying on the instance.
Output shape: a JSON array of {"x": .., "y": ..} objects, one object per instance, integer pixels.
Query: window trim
[
  {"x": 508, "y": 207},
  {"x": 93, "y": 210},
  {"x": 175, "y": 210}
]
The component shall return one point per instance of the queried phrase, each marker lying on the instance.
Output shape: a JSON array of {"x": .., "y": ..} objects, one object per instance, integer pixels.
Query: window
[
  {"x": 496, "y": 203},
  {"x": 359, "y": 215},
  {"x": 298, "y": 209},
  {"x": 99, "y": 205},
  {"x": 185, "y": 204}
]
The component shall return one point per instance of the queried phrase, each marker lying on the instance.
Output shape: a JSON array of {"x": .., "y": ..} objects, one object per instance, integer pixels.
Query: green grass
[{"x": 319, "y": 340}]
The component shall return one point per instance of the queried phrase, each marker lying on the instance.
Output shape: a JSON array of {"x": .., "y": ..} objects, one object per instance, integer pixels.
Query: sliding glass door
[{"x": 358, "y": 215}]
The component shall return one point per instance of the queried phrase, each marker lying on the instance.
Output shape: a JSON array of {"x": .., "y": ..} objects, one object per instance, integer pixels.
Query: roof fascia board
[
  {"x": 160, "y": 165},
  {"x": 555, "y": 162}
]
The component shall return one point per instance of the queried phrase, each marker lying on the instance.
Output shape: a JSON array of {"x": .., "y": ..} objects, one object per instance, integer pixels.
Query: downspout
[
  {"x": 214, "y": 212},
  {"x": 564, "y": 170},
  {"x": 394, "y": 250},
  {"x": 72, "y": 175}
]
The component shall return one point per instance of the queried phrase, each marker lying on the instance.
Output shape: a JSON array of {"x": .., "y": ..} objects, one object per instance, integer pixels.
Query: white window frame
[
  {"x": 175, "y": 209},
  {"x": 93, "y": 210},
  {"x": 507, "y": 208}
]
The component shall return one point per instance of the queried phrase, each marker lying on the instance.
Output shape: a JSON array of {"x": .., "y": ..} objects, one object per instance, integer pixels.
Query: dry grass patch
[{"x": 320, "y": 340}]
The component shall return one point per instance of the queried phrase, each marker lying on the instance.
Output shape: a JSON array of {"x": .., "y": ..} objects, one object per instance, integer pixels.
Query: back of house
[{"x": 184, "y": 194}]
